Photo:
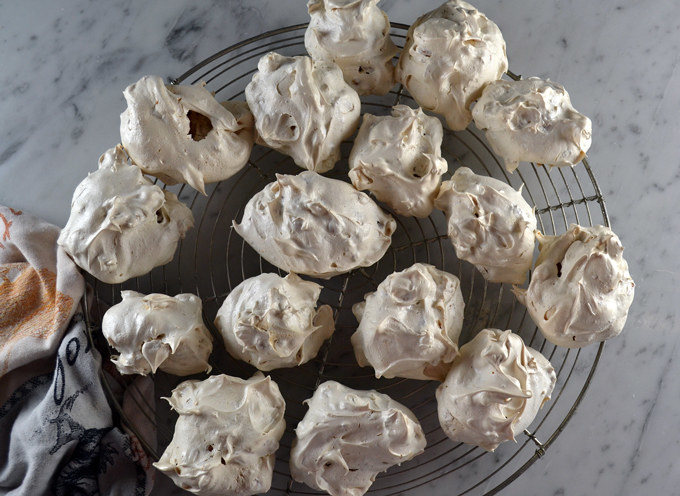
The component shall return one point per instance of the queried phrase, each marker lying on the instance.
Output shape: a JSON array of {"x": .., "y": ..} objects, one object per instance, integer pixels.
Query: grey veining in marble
[{"x": 65, "y": 64}]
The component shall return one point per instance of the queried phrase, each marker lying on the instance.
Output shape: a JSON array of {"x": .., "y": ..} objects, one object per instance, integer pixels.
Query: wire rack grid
[{"x": 213, "y": 259}]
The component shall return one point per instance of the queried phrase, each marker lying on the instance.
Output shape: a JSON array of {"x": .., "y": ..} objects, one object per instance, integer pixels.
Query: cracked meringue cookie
[
  {"x": 580, "y": 289},
  {"x": 182, "y": 134},
  {"x": 157, "y": 331},
  {"x": 532, "y": 120},
  {"x": 310, "y": 224},
  {"x": 348, "y": 437},
  {"x": 272, "y": 322},
  {"x": 226, "y": 435},
  {"x": 303, "y": 108},
  {"x": 493, "y": 390},
  {"x": 121, "y": 224},
  {"x": 409, "y": 327},
  {"x": 450, "y": 54},
  {"x": 490, "y": 225},
  {"x": 398, "y": 158},
  {"x": 355, "y": 34}
]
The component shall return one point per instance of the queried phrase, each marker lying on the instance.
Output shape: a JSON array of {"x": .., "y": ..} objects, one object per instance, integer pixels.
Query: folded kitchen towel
[
  {"x": 56, "y": 428},
  {"x": 40, "y": 290}
]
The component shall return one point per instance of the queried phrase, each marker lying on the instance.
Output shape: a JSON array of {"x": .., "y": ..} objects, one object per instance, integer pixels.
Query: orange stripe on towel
[{"x": 32, "y": 306}]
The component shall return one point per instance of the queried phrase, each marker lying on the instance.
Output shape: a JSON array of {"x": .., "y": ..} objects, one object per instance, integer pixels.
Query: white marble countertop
[{"x": 65, "y": 63}]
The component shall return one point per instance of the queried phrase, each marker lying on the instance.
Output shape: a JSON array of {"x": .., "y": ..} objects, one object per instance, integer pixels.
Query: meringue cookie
[
  {"x": 450, "y": 54},
  {"x": 490, "y": 225},
  {"x": 398, "y": 158},
  {"x": 158, "y": 331},
  {"x": 303, "y": 108},
  {"x": 580, "y": 289},
  {"x": 348, "y": 437},
  {"x": 310, "y": 224},
  {"x": 182, "y": 134},
  {"x": 493, "y": 390},
  {"x": 271, "y": 321},
  {"x": 121, "y": 225},
  {"x": 410, "y": 326},
  {"x": 355, "y": 34},
  {"x": 226, "y": 435},
  {"x": 532, "y": 120}
]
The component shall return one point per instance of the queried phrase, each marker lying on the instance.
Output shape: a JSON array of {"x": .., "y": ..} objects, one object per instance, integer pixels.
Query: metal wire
[{"x": 213, "y": 259}]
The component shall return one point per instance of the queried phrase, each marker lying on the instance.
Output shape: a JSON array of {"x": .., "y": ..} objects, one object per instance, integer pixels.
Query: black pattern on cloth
[
  {"x": 23, "y": 391},
  {"x": 63, "y": 441}
]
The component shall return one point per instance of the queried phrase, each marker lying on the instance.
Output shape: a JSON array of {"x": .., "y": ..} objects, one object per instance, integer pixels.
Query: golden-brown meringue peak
[
  {"x": 226, "y": 435},
  {"x": 157, "y": 331},
  {"x": 532, "y": 120},
  {"x": 303, "y": 108},
  {"x": 347, "y": 437},
  {"x": 490, "y": 225},
  {"x": 494, "y": 389},
  {"x": 310, "y": 224},
  {"x": 398, "y": 158},
  {"x": 450, "y": 54},
  {"x": 410, "y": 326},
  {"x": 182, "y": 134},
  {"x": 272, "y": 322},
  {"x": 580, "y": 288},
  {"x": 121, "y": 224},
  {"x": 355, "y": 34}
]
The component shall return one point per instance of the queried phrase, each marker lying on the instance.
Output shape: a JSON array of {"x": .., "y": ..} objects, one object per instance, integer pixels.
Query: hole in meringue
[
  {"x": 473, "y": 42},
  {"x": 549, "y": 313},
  {"x": 559, "y": 269},
  {"x": 420, "y": 168},
  {"x": 199, "y": 125},
  {"x": 288, "y": 123}
]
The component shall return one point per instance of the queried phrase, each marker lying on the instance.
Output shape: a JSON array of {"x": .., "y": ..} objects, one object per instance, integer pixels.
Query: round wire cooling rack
[{"x": 213, "y": 259}]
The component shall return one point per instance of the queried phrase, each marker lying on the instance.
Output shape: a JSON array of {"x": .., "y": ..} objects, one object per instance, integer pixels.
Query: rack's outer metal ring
[{"x": 213, "y": 259}]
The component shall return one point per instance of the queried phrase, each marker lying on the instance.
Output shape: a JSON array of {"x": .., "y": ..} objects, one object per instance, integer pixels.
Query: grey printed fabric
[{"x": 57, "y": 435}]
